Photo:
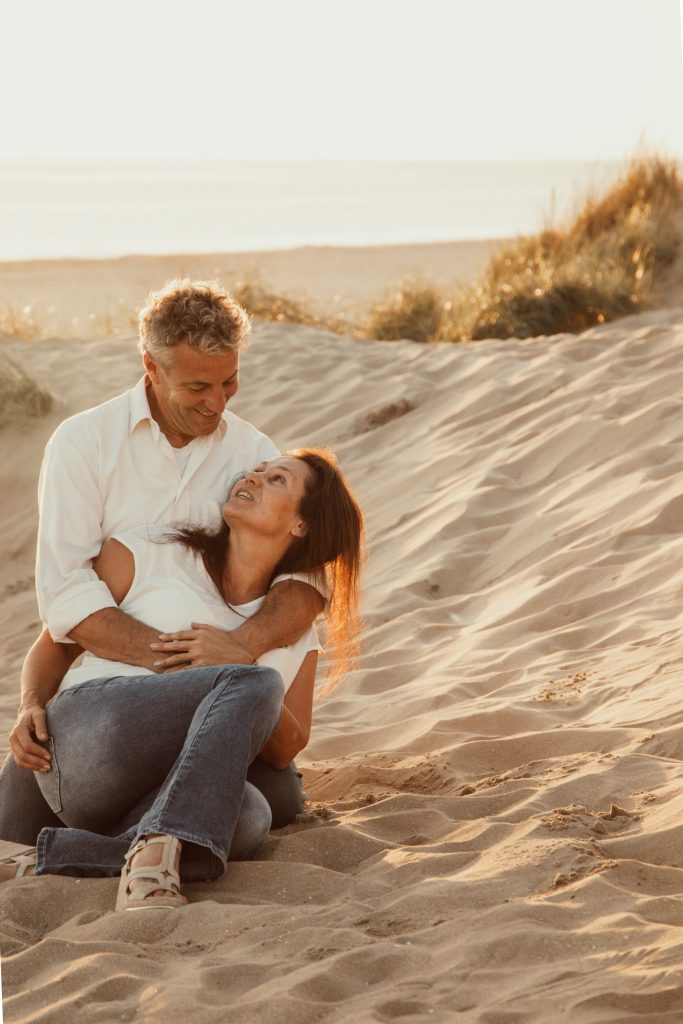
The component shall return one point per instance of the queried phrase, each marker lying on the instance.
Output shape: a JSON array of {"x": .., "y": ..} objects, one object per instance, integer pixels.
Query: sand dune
[{"x": 494, "y": 833}]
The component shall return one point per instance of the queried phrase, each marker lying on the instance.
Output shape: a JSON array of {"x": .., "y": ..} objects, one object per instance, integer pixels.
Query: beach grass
[
  {"x": 608, "y": 260},
  {"x": 604, "y": 263},
  {"x": 20, "y": 396}
]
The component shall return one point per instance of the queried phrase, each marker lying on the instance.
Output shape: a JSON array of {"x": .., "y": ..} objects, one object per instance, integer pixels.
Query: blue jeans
[{"x": 158, "y": 754}]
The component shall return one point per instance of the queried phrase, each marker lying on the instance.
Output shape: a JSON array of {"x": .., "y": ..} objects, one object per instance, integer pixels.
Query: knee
[
  {"x": 282, "y": 788},
  {"x": 253, "y": 825},
  {"x": 261, "y": 684},
  {"x": 267, "y": 682}
]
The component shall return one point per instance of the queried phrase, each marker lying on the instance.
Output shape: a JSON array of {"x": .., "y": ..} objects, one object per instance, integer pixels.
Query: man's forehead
[{"x": 188, "y": 363}]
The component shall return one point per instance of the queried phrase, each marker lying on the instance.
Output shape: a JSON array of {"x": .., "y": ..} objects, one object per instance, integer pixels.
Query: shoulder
[
  {"x": 254, "y": 441},
  {"x": 85, "y": 428}
]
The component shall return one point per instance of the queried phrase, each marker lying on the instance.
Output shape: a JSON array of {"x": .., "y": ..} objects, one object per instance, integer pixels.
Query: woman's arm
[
  {"x": 293, "y": 732},
  {"x": 43, "y": 670}
]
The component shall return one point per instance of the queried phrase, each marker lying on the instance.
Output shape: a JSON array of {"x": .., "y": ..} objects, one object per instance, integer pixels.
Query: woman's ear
[{"x": 300, "y": 529}]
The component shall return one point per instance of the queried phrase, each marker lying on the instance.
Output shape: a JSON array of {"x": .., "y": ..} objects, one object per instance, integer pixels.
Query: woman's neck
[{"x": 249, "y": 565}]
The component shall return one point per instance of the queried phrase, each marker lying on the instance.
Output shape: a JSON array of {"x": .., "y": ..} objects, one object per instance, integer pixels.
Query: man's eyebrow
[{"x": 207, "y": 383}]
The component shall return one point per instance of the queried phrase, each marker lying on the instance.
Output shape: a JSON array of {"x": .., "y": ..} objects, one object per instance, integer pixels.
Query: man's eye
[{"x": 194, "y": 388}]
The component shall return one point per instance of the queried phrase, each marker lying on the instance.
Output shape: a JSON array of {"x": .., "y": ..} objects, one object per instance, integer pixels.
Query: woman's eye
[{"x": 277, "y": 476}]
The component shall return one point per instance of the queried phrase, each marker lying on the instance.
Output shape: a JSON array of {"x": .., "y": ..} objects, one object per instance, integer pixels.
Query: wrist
[
  {"x": 251, "y": 647},
  {"x": 30, "y": 700}
]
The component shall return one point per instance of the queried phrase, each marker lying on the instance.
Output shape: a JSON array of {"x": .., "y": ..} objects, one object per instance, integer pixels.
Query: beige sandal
[
  {"x": 24, "y": 861},
  {"x": 163, "y": 875}
]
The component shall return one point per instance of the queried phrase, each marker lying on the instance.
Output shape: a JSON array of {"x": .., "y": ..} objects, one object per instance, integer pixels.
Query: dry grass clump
[
  {"x": 274, "y": 308},
  {"x": 415, "y": 311},
  {"x": 20, "y": 396},
  {"x": 258, "y": 301},
  {"x": 23, "y": 324},
  {"x": 602, "y": 265},
  {"x": 31, "y": 324}
]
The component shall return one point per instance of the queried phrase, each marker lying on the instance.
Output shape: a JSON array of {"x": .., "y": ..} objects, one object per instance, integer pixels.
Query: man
[{"x": 166, "y": 452}]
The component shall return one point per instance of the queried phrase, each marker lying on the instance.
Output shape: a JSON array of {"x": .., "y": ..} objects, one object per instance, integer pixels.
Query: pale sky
[{"x": 341, "y": 79}]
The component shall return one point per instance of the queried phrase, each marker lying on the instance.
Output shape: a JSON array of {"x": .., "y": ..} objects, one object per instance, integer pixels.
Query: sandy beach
[{"x": 494, "y": 833}]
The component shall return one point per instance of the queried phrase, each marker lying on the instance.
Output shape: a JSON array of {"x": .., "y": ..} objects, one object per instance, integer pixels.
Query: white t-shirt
[
  {"x": 110, "y": 468},
  {"x": 170, "y": 590}
]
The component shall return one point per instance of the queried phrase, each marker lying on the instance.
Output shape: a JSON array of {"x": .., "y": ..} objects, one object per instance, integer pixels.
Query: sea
[{"x": 97, "y": 209}]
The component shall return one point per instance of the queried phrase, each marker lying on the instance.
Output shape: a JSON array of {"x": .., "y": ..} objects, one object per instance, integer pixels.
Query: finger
[
  {"x": 175, "y": 668},
  {"x": 40, "y": 724},
  {"x": 27, "y": 759},
  {"x": 173, "y": 659},
  {"x": 21, "y": 739},
  {"x": 170, "y": 645},
  {"x": 185, "y": 634},
  {"x": 201, "y": 625}
]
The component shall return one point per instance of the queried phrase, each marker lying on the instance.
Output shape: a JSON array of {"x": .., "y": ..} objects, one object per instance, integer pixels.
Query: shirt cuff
[{"x": 71, "y": 607}]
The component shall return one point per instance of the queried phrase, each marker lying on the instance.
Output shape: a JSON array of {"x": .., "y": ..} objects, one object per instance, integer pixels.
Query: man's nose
[{"x": 217, "y": 400}]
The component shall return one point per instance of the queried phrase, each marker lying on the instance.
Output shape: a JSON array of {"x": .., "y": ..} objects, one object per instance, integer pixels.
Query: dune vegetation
[
  {"x": 605, "y": 263},
  {"x": 20, "y": 396}
]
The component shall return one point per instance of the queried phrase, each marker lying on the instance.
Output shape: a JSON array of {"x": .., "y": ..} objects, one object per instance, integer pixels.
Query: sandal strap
[
  {"x": 156, "y": 876},
  {"x": 24, "y": 861}
]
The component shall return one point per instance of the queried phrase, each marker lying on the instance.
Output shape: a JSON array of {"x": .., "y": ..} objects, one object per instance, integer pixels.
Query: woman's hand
[
  {"x": 30, "y": 722},
  {"x": 199, "y": 646}
]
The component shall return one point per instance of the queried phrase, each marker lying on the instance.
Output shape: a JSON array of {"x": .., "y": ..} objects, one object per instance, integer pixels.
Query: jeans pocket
[{"x": 48, "y": 782}]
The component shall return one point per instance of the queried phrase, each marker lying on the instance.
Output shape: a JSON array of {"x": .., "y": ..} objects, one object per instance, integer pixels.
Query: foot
[{"x": 150, "y": 876}]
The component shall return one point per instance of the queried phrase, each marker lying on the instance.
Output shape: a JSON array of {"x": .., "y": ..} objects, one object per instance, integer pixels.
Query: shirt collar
[{"x": 140, "y": 411}]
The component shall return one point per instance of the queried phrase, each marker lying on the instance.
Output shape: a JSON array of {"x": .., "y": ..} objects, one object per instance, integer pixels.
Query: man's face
[{"x": 190, "y": 389}]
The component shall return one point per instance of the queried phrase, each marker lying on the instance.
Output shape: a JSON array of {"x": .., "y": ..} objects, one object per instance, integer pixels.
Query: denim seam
[
  {"x": 41, "y": 850},
  {"x": 216, "y": 693}
]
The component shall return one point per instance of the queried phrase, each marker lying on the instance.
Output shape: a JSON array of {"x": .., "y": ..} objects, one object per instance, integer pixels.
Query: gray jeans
[{"x": 140, "y": 754}]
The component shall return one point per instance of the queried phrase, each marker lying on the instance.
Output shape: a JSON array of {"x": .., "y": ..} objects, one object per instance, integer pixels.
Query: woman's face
[{"x": 268, "y": 498}]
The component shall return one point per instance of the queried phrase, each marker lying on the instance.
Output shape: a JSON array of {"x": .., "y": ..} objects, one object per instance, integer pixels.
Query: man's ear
[
  {"x": 150, "y": 367},
  {"x": 300, "y": 529}
]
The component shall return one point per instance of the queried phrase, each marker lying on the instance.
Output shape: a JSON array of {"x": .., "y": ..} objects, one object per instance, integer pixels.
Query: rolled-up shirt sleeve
[{"x": 69, "y": 532}]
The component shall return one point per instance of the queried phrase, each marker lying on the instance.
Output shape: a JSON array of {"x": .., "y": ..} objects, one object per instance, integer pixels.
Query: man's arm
[
  {"x": 110, "y": 633},
  {"x": 42, "y": 672},
  {"x": 69, "y": 531},
  {"x": 288, "y": 610}
]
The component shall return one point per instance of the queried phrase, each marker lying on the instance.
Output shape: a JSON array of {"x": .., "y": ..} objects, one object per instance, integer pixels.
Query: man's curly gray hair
[{"x": 200, "y": 313}]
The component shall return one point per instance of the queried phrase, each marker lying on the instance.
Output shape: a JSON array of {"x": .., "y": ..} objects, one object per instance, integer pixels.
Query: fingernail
[
  {"x": 162, "y": 636},
  {"x": 45, "y": 769},
  {"x": 156, "y": 664}
]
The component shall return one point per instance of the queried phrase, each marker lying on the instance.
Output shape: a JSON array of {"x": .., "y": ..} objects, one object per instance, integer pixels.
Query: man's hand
[
  {"x": 30, "y": 722},
  {"x": 199, "y": 646}
]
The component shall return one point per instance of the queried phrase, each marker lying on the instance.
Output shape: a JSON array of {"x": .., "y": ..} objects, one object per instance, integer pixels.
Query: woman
[{"x": 147, "y": 767}]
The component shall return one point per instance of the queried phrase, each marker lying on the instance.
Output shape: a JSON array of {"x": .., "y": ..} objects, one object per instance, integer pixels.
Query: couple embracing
[{"x": 181, "y": 564}]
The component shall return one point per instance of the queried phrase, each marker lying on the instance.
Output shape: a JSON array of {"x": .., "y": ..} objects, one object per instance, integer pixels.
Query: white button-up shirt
[{"x": 110, "y": 469}]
